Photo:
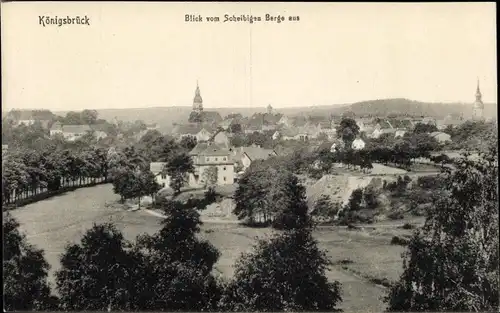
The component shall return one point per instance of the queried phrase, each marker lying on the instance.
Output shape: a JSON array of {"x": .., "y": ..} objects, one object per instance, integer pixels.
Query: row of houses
[
  {"x": 74, "y": 132},
  {"x": 211, "y": 154}
]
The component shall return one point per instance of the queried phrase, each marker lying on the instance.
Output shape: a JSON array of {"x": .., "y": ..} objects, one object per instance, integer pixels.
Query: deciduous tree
[
  {"x": 178, "y": 168},
  {"x": 210, "y": 176},
  {"x": 25, "y": 272},
  {"x": 285, "y": 273},
  {"x": 98, "y": 273},
  {"x": 452, "y": 264},
  {"x": 348, "y": 130}
]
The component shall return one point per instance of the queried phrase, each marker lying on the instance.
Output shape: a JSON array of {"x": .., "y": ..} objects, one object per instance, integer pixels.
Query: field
[{"x": 52, "y": 223}]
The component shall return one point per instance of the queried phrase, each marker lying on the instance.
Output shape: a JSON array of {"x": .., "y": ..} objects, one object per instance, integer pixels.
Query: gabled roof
[
  {"x": 428, "y": 120},
  {"x": 387, "y": 130},
  {"x": 200, "y": 147},
  {"x": 384, "y": 125},
  {"x": 290, "y": 132},
  {"x": 185, "y": 129},
  {"x": 209, "y": 149},
  {"x": 325, "y": 145},
  {"x": 405, "y": 123},
  {"x": 434, "y": 134},
  {"x": 369, "y": 129},
  {"x": 226, "y": 123},
  {"x": 307, "y": 130},
  {"x": 156, "y": 167},
  {"x": 325, "y": 125},
  {"x": 254, "y": 127},
  {"x": 271, "y": 118},
  {"x": 215, "y": 150},
  {"x": 298, "y": 121},
  {"x": 452, "y": 122},
  {"x": 211, "y": 116},
  {"x": 237, "y": 153},
  {"x": 191, "y": 129},
  {"x": 258, "y": 153},
  {"x": 73, "y": 129}
]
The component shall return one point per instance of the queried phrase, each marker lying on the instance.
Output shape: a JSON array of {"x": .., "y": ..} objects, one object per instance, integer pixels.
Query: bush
[
  {"x": 344, "y": 261},
  {"x": 429, "y": 182},
  {"x": 396, "y": 240},
  {"x": 408, "y": 226},
  {"x": 396, "y": 215}
]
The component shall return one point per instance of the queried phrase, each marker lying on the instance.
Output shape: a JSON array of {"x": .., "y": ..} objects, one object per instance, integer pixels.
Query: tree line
[{"x": 27, "y": 173}]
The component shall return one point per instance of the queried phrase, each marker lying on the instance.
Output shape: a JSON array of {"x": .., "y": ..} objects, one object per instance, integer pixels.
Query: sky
[{"x": 135, "y": 55}]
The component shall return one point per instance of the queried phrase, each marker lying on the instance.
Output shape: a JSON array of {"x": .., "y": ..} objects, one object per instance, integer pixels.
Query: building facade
[{"x": 207, "y": 155}]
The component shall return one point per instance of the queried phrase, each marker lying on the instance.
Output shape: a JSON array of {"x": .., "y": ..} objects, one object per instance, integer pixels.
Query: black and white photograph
[{"x": 249, "y": 156}]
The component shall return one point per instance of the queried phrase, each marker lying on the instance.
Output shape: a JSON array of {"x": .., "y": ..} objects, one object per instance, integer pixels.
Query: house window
[
  {"x": 163, "y": 185},
  {"x": 224, "y": 159},
  {"x": 216, "y": 159},
  {"x": 224, "y": 178},
  {"x": 224, "y": 168},
  {"x": 208, "y": 159},
  {"x": 163, "y": 176}
]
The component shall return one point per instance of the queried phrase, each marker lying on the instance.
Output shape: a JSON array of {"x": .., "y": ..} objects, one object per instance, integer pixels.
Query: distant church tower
[
  {"x": 197, "y": 101},
  {"x": 478, "y": 107},
  {"x": 269, "y": 109}
]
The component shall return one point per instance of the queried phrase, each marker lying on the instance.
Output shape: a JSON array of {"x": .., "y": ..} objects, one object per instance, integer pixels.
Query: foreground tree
[
  {"x": 25, "y": 272},
  {"x": 286, "y": 273},
  {"x": 97, "y": 274},
  {"x": 178, "y": 168},
  {"x": 348, "y": 130},
  {"x": 452, "y": 264},
  {"x": 177, "y": 265}
]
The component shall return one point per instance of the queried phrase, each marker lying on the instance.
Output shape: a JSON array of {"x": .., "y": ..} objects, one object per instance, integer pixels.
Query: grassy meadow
[{"x": 360, "y": 256}]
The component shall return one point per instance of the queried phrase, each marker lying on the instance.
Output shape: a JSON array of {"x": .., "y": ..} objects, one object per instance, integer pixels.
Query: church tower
[
  {"x": 478, "y": 106},
  {"x": 197, "y": 101},
  {"x": 269, "y": 109}
]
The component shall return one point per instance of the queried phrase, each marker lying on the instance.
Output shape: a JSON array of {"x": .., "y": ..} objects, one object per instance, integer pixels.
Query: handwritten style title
[
  {"x": 240, "y": 18},
  {"x": 60, "y": 21}
]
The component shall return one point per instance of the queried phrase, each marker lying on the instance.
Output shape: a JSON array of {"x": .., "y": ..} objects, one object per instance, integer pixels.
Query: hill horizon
[{"x": 166, "y": 116}]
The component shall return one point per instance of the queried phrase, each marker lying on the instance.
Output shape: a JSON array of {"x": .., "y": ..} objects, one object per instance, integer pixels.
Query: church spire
[
  {"x": 478, "y": 92},
  {"x": 478, "y": 106},
  {"x": 197, "y": 101}
]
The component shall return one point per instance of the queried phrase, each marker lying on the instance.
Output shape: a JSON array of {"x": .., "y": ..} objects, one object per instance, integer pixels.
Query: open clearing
[{"x": 52, "y": 223}]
